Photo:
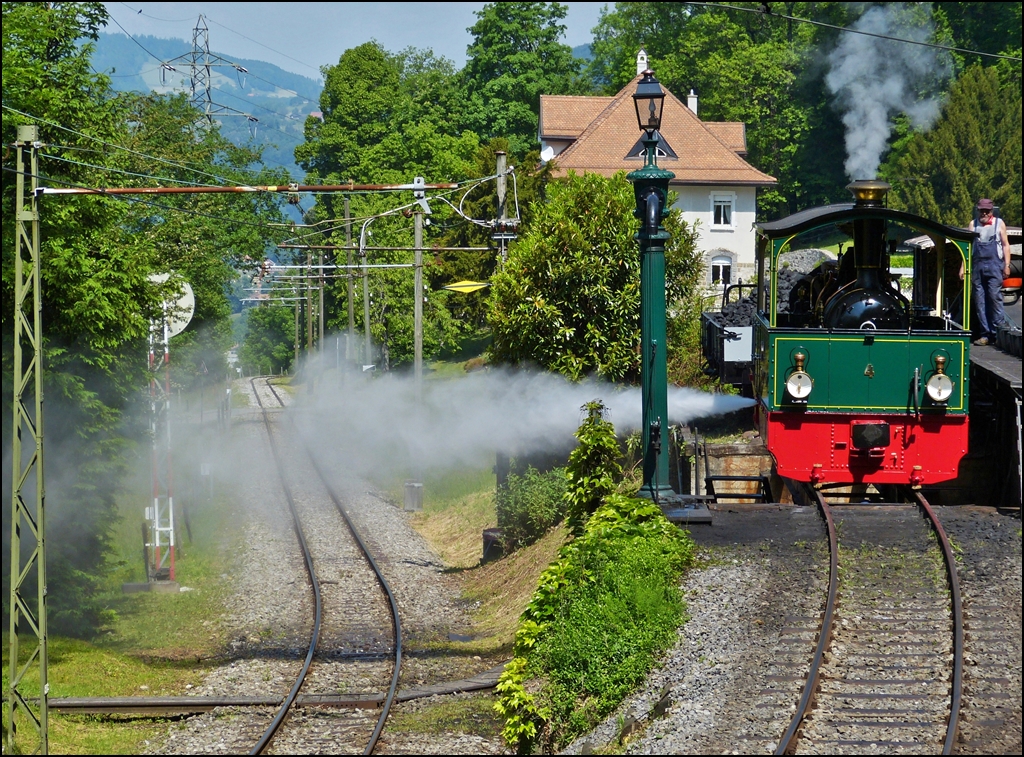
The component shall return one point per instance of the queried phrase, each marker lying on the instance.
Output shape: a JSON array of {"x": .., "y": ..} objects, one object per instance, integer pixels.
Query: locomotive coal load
[{"x": 798, "y": 266}]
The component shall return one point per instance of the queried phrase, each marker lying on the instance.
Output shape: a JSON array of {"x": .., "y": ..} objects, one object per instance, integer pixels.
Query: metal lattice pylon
[
  {"x": 201, "y": 63},
  {"x": 26, "y": 698}
]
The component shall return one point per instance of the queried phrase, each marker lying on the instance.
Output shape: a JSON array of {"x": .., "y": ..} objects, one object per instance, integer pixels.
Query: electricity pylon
[{"x": 201, "y": 63}]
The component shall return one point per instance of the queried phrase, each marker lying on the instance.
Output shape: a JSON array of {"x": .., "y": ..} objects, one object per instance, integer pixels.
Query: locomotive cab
[{"x": 857, "y": 382}]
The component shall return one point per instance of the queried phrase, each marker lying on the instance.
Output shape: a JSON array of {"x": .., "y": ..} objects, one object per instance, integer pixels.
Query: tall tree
[
  {"x": 568, "y": 299},
  {"x": 269, "y": 340},
  {"x": 974, "y": 150},
  {"x": 206, "y": 238},
  {"x": 96, "y": 257},
  {"x": 514, "y": 58},
  {"x": 388, "y": 118},
  {"x": 97, "y": 300}
]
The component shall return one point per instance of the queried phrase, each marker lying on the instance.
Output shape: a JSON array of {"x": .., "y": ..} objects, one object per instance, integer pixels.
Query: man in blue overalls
[{"x": 990, "y": 263}]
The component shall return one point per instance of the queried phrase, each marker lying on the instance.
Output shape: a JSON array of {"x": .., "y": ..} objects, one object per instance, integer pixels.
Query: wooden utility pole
[
  {"x": 417, "y": 310},
  {"x": 351, "y": 308}
]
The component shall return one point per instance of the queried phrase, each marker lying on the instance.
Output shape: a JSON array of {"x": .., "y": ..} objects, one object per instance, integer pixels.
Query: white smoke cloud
[
  {"x": 373, "y": 423},
  {"x": 874, "y": 79}
]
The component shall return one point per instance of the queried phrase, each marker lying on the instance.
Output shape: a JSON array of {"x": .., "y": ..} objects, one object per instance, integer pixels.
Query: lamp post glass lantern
[
  {"x": 650, "y": 186},
  {"x": 649, "y": 101}
]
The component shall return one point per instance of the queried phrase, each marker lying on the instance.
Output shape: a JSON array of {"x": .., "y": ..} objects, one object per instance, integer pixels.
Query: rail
[
  {"x": 788, "y": 740},
  {"x": 787, "y": 743},
  {"x": 381, "y": 580},
  {"x": 286, "y": 705},
  {"x": 956, "y": 685}
]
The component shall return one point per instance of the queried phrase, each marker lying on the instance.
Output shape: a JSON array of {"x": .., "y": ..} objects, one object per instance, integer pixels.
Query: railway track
[
  {"x": 887, "y": 666},
  {"x": 355, "y": 637}
]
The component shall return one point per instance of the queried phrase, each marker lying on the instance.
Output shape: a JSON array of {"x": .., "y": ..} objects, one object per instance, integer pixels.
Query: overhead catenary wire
[
  {"x": 196, "y": 188},
  {"x": 182, "y": 166},
  {"x": 341, "y": 221},
  {"x": 769, "y": 12},
  {"x": 108, "y": 169}
]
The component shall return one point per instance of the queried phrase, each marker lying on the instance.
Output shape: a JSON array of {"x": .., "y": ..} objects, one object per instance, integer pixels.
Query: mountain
[
  {"x": 279, "y": 99},
  {"x": 583, "y": 51}
]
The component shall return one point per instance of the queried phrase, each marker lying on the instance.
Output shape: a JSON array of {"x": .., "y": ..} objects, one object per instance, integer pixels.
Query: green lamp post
[{"x": 650, "y": 184}]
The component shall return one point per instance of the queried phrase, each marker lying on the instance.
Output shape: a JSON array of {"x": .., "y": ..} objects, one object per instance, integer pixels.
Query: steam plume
[
  {"x": 874, "y": 79},
  {"x": 376, "y": 423}
]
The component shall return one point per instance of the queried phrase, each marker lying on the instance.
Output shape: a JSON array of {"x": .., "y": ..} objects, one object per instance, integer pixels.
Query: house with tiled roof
[{"x": 717, "y": 187}]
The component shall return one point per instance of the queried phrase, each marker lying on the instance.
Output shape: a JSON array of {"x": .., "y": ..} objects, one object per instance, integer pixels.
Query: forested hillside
[{"x": 279, "y": 99}]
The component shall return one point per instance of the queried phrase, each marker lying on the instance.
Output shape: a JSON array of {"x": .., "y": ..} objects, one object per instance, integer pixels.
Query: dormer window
[{"x": 639, "y": 151}]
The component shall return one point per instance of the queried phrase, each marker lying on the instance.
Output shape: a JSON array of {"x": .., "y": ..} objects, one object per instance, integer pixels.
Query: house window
[
  {"x": 721, "y": 270},
  {"x": 721, "y": 211}
]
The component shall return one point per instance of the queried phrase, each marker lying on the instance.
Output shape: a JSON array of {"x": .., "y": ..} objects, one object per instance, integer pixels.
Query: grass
[
  {"x": 473, "y": 715},
  {"x": 457, "y": 507},
  {"x": 455, "y": 532},
  {"x": 153, "y": 644},
  {"x": 453, "y": 363},
  {"x": 504, "y": 588}
]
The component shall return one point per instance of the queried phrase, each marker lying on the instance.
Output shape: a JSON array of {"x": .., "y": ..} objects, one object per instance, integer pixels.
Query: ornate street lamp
[
  {"x": 650, "y": 185},
  {"x": 649, "y": 101}
]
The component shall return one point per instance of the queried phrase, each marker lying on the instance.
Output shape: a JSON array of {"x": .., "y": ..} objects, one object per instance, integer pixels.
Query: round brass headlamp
[
  {"x": 939, "y": 386},
  {"x": 799, "y": 383}
]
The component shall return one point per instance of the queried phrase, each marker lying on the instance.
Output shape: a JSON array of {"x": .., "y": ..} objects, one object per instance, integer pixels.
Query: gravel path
[{"x": 990, "y": 580}]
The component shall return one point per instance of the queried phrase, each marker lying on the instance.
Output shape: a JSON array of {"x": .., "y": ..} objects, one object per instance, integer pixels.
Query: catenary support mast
[{"x": 26, "y": 703}]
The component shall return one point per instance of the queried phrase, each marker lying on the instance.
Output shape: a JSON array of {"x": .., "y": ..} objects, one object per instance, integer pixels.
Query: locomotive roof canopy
[{"x": 814, "y": 217}]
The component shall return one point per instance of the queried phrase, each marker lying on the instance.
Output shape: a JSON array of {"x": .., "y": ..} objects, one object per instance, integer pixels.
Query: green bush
[
  {"x": 607, "y": 636},
  {"x": 593, "y": 466},
  {"x": 529, "y": 504},
  {"x": 602, "y": 613}
]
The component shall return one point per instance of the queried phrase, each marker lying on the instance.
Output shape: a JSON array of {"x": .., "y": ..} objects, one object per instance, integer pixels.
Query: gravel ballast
[{"x": 268, "y": 617}]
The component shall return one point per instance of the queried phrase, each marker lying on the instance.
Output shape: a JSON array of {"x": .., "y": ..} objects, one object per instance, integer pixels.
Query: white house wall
[{"x": 737, "y": 241}]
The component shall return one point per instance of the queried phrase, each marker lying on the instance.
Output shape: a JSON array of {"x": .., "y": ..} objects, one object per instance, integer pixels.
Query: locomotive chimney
[{"x": 868, "y": 233}]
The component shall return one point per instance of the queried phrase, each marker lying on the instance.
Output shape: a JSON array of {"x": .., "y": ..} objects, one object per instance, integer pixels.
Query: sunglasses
[{"x": 985, "y": 212}]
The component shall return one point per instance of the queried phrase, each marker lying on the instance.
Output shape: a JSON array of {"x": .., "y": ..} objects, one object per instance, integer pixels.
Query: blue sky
[{"x": 306, "y": 36}]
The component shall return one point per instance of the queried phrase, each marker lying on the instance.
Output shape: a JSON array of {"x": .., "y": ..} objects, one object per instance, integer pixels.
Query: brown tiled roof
[
  {"x": 733, "y": 134},
  {"x": 702, "y": 155},
  {"x": 568, "y": 116}
]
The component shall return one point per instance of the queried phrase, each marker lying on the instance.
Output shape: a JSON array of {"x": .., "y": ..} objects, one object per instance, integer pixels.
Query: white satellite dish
[{"x": 178, "y": 312}]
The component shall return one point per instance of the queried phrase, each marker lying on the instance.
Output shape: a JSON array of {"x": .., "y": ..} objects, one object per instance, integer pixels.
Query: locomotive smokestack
[
  {"x": 871, "y": 303},
  {"x": 868, "y": 233},
  {"x": 869, "y": 192}
]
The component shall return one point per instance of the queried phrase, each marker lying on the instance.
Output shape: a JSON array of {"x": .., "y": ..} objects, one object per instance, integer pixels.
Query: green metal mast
[{"x": 25, "y": 699}]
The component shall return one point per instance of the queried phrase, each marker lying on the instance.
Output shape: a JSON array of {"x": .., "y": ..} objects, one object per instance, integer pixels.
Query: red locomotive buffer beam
[{"x": 890, "y": 449}]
